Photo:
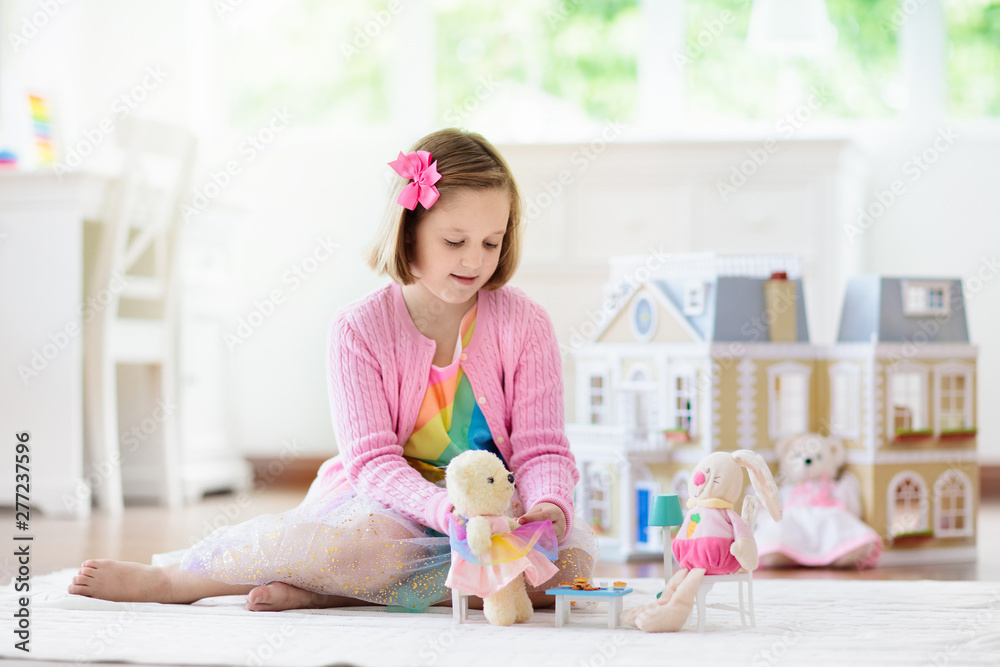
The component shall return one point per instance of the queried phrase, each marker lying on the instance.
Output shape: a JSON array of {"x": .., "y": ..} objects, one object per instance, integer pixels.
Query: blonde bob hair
[{"x": 465, "y": 160}]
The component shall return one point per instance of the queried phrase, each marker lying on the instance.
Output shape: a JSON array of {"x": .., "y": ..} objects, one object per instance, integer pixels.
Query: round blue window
[{"x": 643, "y": 317}]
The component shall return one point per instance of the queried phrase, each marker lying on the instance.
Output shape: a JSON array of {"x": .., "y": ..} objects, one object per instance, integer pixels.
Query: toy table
[{"x": 566, "y": 594}]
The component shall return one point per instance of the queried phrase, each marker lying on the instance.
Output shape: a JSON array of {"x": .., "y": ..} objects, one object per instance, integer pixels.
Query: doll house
[{"x": 711, "y": 352}]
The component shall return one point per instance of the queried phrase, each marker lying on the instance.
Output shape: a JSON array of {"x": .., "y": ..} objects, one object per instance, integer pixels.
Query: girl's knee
[
  {"x": 575, "y": 563},
  {"x": 572, "y": 563}
]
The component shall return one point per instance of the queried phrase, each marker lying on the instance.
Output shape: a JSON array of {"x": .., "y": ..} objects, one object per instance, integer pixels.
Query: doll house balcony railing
[{"x": 598, "y": 442}]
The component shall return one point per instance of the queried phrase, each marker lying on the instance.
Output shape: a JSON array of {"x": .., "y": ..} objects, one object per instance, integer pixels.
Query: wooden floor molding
[
  {"x": 297, "y": 473},
  {"x": 989, "y": 481}
]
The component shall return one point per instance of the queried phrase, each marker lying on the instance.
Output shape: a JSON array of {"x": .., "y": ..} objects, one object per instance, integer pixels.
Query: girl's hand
[{"x": 543, "y": 511}]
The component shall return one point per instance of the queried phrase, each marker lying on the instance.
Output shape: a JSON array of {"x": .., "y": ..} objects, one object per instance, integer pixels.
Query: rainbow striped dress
[{"x": 450, "y": 421}]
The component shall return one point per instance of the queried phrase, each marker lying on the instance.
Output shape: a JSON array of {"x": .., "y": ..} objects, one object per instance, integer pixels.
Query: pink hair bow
[{"x": 418, "y": 167}]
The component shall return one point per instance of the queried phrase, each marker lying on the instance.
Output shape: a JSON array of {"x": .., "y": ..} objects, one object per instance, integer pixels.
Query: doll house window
[
  {"x": 599, "y": 499},
  {"x": 639, "y": 397},
  {"x": 908, "y": 506},
  {"x": 679, "y": 485},
  {"x": 597, "y": 393},
  {"x": 845, "y": 400},
  {"x": 788, "y": 406},
  {"x": 643, "y": 317},
  {"x": 953, "y": 505},
  {"x": 682, "y": 386},
  {"x": 694, "y": 298},
  {"x": 925, "y": 298},
  {"x": 907, "y": 400},
  {"x": 953, "y": 397}
]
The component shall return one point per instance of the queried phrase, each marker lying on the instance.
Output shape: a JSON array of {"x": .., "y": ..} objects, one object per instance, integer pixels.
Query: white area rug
[{"x": 799, "y": 622}]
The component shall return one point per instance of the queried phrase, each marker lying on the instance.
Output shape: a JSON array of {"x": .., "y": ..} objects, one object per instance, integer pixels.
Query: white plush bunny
[{"x": 713, "y": 539}]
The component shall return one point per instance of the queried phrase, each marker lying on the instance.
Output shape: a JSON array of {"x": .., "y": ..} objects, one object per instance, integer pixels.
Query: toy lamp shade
[{"x": 666, "y": 511}]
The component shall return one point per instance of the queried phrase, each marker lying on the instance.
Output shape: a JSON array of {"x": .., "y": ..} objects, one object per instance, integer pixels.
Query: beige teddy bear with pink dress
[{"x": 493, "y": 555}]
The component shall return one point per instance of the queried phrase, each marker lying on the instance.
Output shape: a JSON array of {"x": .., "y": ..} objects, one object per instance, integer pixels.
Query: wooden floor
[{"x": 143, "y": 531}]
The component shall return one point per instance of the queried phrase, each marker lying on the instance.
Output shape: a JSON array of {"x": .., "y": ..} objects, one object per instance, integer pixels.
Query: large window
[
  {"x": 574, "y": 58},
  {"x": 858, "y": 78},
  {"x": 525, "y": 70},
  {"x": 328, "y": 62},
  {"x": 973, "y": 58}
]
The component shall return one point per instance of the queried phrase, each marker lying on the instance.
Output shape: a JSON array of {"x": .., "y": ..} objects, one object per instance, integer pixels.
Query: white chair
[
  {"x": 459, "y": 605},
  {"x": 134, "y": 299},
  {"x": 745, "y": 608},
  {"x": 459, "y": 601}
]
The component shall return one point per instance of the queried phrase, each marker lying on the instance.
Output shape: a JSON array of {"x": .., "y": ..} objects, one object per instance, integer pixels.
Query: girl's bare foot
[
  {"x": 119, "y": 581},
  {"x": 279, "y": 596}
]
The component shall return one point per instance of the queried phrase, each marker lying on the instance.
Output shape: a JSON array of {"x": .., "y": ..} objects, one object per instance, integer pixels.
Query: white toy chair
[
  {"x": 745, "y": 608},
  {"x": 459, "y": 606},
  {"x": 459, "y": 602}
]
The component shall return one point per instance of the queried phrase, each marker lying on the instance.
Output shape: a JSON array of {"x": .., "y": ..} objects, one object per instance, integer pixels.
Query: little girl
[{"x": 443, "y": 359}]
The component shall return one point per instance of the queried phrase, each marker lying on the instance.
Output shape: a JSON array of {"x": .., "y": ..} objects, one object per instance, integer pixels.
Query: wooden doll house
[{"x": 713, "y": 352}]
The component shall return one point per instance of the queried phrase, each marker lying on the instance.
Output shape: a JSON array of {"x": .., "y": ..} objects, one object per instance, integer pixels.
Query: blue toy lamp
[{"x": 666, "y": 512}]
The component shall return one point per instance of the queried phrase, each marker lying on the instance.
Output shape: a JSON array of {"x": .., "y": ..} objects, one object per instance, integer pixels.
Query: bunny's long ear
[{"x": 761, "y": 479}]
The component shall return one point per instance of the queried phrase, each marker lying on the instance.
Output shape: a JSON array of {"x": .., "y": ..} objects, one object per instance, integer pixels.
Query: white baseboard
[{"x": 939, "y": 556}]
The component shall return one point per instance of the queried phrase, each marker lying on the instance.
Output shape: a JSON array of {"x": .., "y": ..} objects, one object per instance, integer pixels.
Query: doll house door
[{"x": 644, "y": 494}]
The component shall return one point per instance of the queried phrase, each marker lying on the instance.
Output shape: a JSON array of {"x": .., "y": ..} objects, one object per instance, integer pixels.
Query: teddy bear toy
[
  {"x": 821, "y": 526},
  {"x": 713, "y": 539},
  {"x": 492, "y": 554}
]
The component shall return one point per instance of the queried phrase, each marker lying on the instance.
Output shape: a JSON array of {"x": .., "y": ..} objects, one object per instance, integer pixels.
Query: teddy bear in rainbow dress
[
  {"x": 821, "y": 525},
  {"x": 492, "y": 554}
]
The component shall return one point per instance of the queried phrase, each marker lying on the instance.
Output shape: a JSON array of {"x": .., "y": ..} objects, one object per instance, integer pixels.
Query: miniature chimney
[{"x": 779, "y": 299}]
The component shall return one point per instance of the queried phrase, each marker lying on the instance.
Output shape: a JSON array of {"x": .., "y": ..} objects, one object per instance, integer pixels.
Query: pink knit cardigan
[{"x": 378, "y": 369}]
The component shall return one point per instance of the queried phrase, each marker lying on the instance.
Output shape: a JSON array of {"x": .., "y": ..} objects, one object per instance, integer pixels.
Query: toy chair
[
  {"x": 459, "y": 601},
  {"x": 459, "y": 604},
  {"x": 745, "y": 608}
]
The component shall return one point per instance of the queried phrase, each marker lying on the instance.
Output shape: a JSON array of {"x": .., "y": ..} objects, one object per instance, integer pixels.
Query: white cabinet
[{"x": 41, "y": 334}]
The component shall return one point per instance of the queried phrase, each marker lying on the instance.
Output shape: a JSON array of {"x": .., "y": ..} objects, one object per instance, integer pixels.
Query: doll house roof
[
  {"x": 710, "y": 297},
  {"x": 900, "y": 309},
  {"x": 734, "y": 307}
]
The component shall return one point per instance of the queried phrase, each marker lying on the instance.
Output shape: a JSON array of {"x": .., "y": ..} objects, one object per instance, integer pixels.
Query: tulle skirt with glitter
[{"x": 339, "y": 542}]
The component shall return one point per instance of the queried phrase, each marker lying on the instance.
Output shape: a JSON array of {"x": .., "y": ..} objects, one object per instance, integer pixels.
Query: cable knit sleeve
[
  {"x": 370, "y": 448},
  {"x": 541, "y": 461}
]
